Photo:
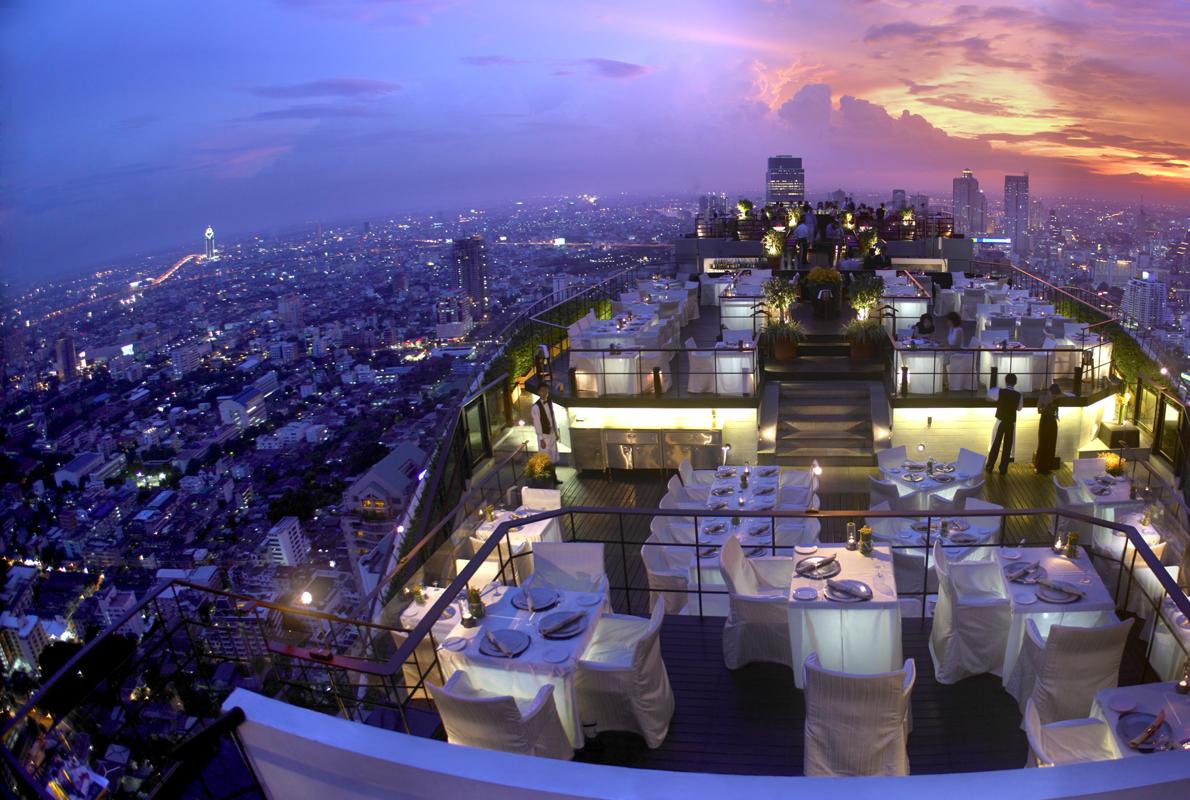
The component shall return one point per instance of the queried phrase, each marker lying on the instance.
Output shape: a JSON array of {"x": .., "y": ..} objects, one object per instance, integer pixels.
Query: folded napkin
[
  {"x": 1148, "y": 732},
  {"x": 1061, "y": 586},
  {"x": 496, "y": 643},
  {"x": 563, "y": 623},
  {"x": 846, "y": 589}
]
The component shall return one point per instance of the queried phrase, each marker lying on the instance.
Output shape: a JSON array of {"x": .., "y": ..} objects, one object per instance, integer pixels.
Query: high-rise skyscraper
[
  {"x": 66, "y": 359},
  {"x": 1016, "y": 211},
  {"x": 1144, "y": 303},
  {"x": 470, "y": 259},
  {"x": 899, "y": 200},
  {"x": 712, "y": 206},
  {"x": 289, "y": 310},
  {"x": 970, "y": 205},
  {"x": 209, "y": 239},
  {"x": 785, "y": 180}
]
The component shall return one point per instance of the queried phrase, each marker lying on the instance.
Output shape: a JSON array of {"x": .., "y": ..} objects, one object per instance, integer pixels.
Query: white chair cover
[
  {"x": 960, "y": 372},
  {"x": 956, "y": 497},
  {"x": 476, "y": 718},
  {"x": 892, "y": 457},
  {"x": 1087, "y": 468},
  {"x": 1062, "y": 673},
  {"x": 541, "y": 499},
  {"x": 621, "y": 681},
  {"x": 971, "y": 619},
  {"x": 798, "y": 477},
  {"x": 970, "y": 462},
  {"x": 1069, "y": 742},
  {"x": 757, "y": 627},
  {"x": 668, "y": 570},
  {"x": 569, "y": 566},
  {"x": 701, "y": 374},
  {"x": 857, "y": 724},
  {"x": 694, "y": 477},
  {"x": 897, "y": 497}
]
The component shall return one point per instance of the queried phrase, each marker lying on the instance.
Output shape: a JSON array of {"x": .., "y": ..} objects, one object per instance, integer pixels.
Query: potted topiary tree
[
  {"x": 539, "y": 472},
  {"x": 774, "y": 247},
  {"x": 779, "y": 295},
  {"x": 864, "y": 336},
  {"x": 864, "y": 293}
]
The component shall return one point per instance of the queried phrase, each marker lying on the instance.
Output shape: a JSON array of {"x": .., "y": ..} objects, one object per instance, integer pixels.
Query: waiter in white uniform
[{"x": 544, "y": 423}]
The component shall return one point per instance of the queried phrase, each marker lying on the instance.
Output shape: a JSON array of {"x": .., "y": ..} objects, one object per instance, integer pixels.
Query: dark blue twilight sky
[{"x": 132, "y": 124}]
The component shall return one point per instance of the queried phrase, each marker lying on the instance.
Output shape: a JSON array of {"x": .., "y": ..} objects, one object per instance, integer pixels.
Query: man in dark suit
[{"x": 1008, "y": 403}]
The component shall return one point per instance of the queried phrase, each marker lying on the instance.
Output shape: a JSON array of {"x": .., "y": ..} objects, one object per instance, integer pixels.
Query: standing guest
[
  {"x": 924, "y": 329},
  {"x": 1045, "y": 459},
  {"x": 1008, "y": 403},
  {"x": 880, "y": 212},
  {"x": 954, "y": 331},
  {"x": 544, "y": 423},
  {"x": 801, "y": 238}
]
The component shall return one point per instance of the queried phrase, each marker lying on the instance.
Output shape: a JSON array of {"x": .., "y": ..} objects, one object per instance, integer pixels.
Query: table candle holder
[{"x": 852, "y": 536}]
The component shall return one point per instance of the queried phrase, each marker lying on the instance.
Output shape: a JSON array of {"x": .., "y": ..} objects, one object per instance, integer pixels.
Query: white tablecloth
[
  {"x": 925, "y": 369},
  {"x": 524, "y": 675},
  {"x": 735, "y": 371},
  {"x": 545, "y": 530},
  {"x": 928, "y": 485},
  {"x": 1096, "y": 609},
  {"x": 739, "y": 312},
  {"x": 1148, "y": 698},
  {"x": 713, "y": 288},
  {"x": 1032, "y": 369},
  {"x": 862, "y": 638}
]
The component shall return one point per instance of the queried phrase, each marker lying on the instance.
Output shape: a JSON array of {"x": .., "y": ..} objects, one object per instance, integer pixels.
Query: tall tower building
[
  {"x": 470, "y": 259},
  {"x": 712, "y": 206},
  {"x": 1144, "y": 302},
  {"x": 970, "y": 205},
  {"x": 785, "y": 181},
  {"x": 290, "y": 311},
  {"x": 66, "y": 360},
  {"x": 209, "y": 239},
  {"x": 1016, "y": 211},
  {"x": 899, "y": 200}
]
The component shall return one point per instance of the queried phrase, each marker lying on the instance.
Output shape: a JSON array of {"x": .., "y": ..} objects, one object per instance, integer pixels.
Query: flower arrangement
[
  {"x": 824, "y": 275},
  {"x": 1113, "y": 464},
  {"x": 539, "y": 466}
]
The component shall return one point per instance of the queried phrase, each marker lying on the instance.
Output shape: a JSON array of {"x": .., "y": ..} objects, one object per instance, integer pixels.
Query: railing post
[
  {"x": 1078, "y": 380},
  {"x": 904, "y": 380},
  {"x": 994, "y": 377},
  {"x": 657, "y": 388}
]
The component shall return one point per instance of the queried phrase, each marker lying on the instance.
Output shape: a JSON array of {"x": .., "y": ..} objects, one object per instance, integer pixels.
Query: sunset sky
[{"x": 133, "y": 125}]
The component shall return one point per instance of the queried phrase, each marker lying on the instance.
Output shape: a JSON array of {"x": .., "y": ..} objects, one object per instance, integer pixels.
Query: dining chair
[
  {"x": 970, "y": 462},
  {"x": 960, "y": 372},
  {"x": 659, "y": 360},
  {"x": 668, "y": 571},
  {"x": 898, "y": 497},
  {"x": 796, "y": 498},
  {"x": 541, "y": 499},
  {"x": 694, "y": 477},
  {"x": 1072, "y": 741},
  {"x": 798, "y": 477},
  {"x": 892, "y": 457},
  {"x": 686, "y": 496},
  {"x": 969, "y": 633},
  {"x": 857, "y": 724},
  {"x": 569, "y": 566},
  {"x": 1062, "y": 671},
  {"x": 757, "y": 626},
  {"x": 621, "y": 682},
  {"x": 700, "y": 376},
  {"x": 1084, "y": 468},
  {"x": 955, "y": 497},
  {"x": 474, "y": 717},
  {"x": 990, "y": 528}
]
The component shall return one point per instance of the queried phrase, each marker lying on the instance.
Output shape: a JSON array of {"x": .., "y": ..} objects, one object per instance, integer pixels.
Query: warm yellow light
[{"x": 307, "y": 598}]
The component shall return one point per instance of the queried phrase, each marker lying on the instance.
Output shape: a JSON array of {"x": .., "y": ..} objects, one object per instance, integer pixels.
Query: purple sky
[{"x": 133, "y": 125}]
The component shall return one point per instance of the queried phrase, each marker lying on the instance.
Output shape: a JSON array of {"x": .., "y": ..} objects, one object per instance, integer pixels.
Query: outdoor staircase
[{"x": 829, "y": 423}]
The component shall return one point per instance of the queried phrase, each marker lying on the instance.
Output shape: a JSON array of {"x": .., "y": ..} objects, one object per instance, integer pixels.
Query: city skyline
[{"x": 411, "y": 104}]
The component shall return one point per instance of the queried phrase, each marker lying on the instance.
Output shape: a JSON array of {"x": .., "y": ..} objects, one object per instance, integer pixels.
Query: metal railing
[
  {"x": 123, "y": 716},
  {"x": 722, "y": 371}
]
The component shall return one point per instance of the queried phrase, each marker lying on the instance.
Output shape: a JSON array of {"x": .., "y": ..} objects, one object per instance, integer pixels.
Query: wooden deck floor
[{"x": 750, "y": 721}]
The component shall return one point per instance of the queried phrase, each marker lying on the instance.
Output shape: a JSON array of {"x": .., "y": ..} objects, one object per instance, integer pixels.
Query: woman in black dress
[{"x": 1047, "y": 430}]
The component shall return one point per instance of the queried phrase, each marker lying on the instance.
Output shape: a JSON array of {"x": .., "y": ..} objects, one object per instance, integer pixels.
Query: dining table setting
[
  {"x": 527, "y": 638},
  {"x": 1145, "y": 718},
  {"x": 924, "y": 478},
  {"x": 842, "y": 605}
]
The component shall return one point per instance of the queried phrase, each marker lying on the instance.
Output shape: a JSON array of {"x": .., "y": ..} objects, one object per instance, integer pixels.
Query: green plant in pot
[
  {"x": 864, "y": 335},
  {"x": 782, "y": 338},
  {"x": 774, "y": 247},
  {"x": 779, "y": 295},
  {"x": 865, "y": 291},
  {"x": 818, "y": 279},
  {"x": 743, "y": 208}
]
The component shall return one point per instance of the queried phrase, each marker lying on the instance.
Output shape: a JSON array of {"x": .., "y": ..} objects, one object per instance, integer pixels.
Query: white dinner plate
[
  {"x": 455, "y": 643},
  {"x": 1024, "y": 597},
  {"x": 589, "y": 599},
  {"x": 1121, "y": 704},
  {"x": 555, "y": 655},
  {"x": 805, "y": 593},
  {"x": 1011, "y": 555},
  {"x": 806, "y": 549}
]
